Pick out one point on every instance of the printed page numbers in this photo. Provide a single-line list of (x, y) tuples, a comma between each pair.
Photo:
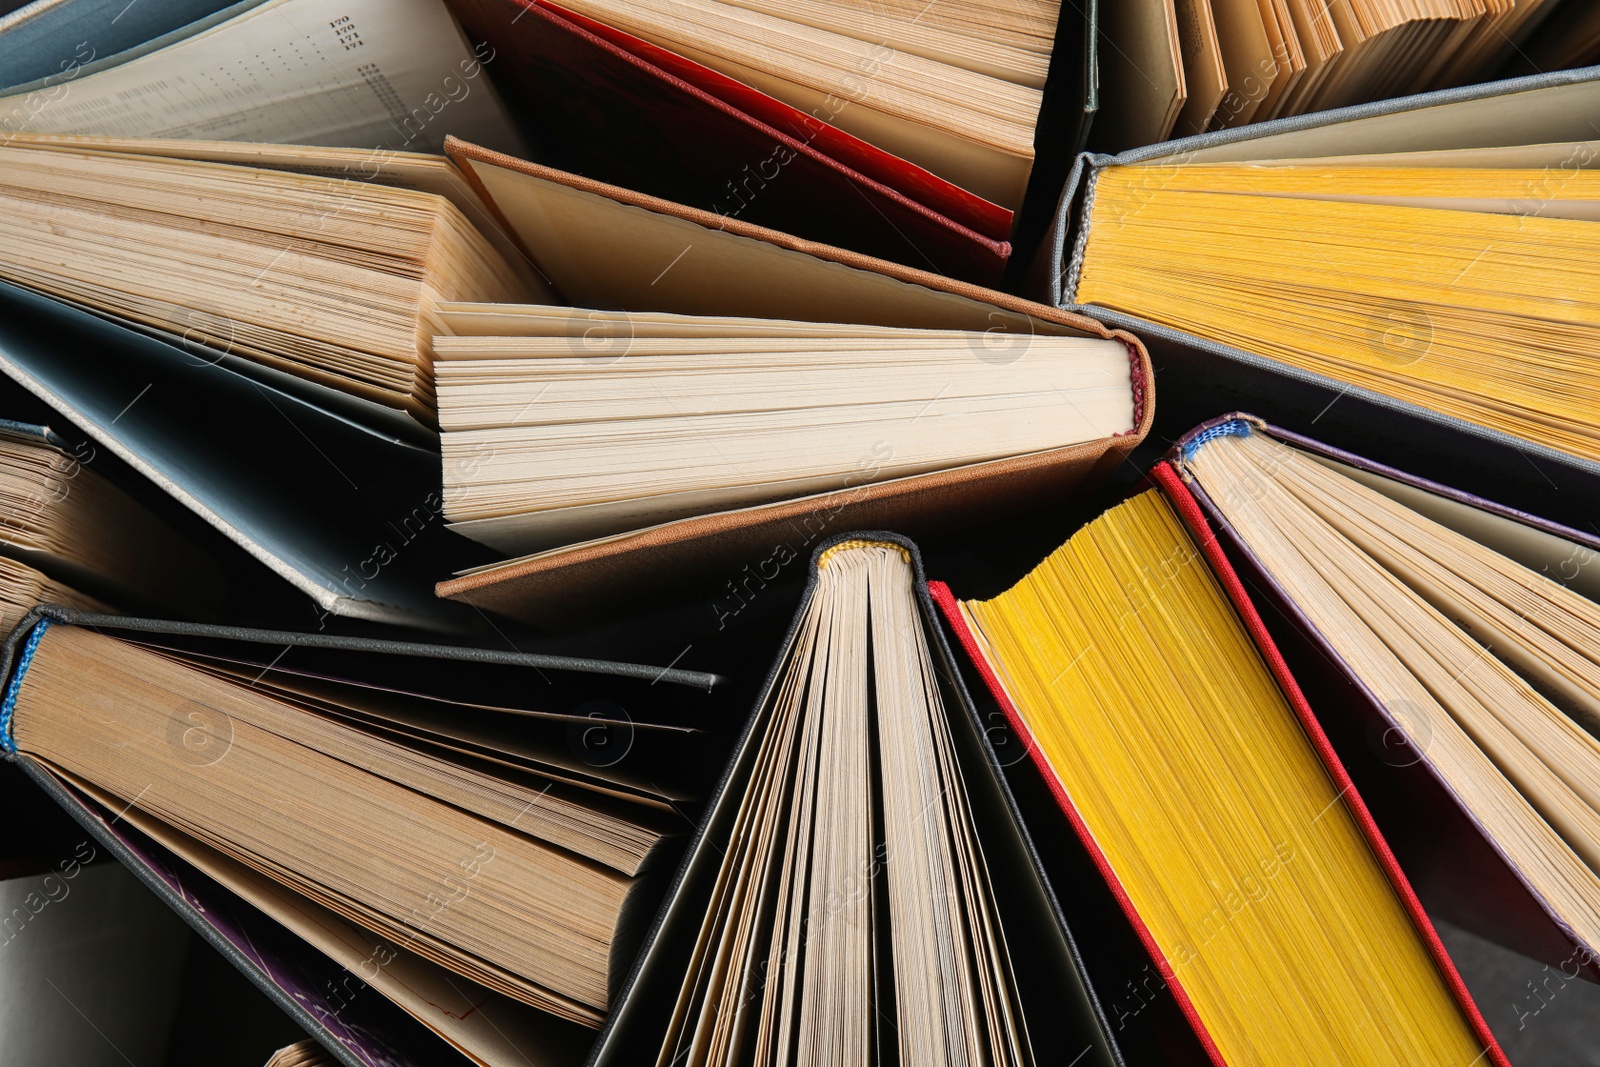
[(345, 31)]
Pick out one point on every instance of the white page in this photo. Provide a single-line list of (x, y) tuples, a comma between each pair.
[(391, 74)]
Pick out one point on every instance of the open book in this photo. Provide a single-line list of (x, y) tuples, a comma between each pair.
[(901, 130), (326, 273), (1182, 67), (68, 535), (707, 387), (1468, 640), (1190, 767), (857, 775), (439, 809), (561, 425), (391, 74), (958, 93), (1459, 281), (861, 890), (320, 278)]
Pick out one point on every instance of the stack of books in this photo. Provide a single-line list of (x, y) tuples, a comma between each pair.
[(719, 533)]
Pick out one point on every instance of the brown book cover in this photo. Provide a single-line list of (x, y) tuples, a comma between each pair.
[(614, 107), (568, 585)]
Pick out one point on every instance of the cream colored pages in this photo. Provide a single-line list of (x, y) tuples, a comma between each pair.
[(814, 917), (327, 280), (493, 382), (747, 876), (422, 172), (541, 809), (1354, 563), (1546, 632), (1143, 66), (368, 848), (557, 430), (549, 440), (507, 744), (1544, 553), (443, 730), (970, 128), (489, 1029), (940, 904), (472, 527), (360, 73), (1205, 80), (997, 42)]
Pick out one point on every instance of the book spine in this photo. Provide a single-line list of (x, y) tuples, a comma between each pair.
[(9, 707), (1073, 268), (1188, 509), (1235, 426), (951, 609)]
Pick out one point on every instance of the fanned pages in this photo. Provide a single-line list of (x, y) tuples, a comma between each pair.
[(681, 128), (68, 535), (487, 1028), (1467, 290), (585, 424), (421, 172), (852, 918), (325, 279), (712, 383), (957, 94), (1485, 667), (1280, 58), (22, 589), (1241, 855), (305, 1053), (523, 883)]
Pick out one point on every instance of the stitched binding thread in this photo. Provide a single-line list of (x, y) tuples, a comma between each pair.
[(845, 546), (1136, 376), (10, 705), (1231, 428), (1069, 286)]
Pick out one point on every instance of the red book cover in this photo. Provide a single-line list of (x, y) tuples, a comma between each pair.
[(1188, 509), (922, 186), (598, 102)]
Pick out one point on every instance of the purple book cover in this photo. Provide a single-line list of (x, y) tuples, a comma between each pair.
[(350, 1018), (1457, 869)]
